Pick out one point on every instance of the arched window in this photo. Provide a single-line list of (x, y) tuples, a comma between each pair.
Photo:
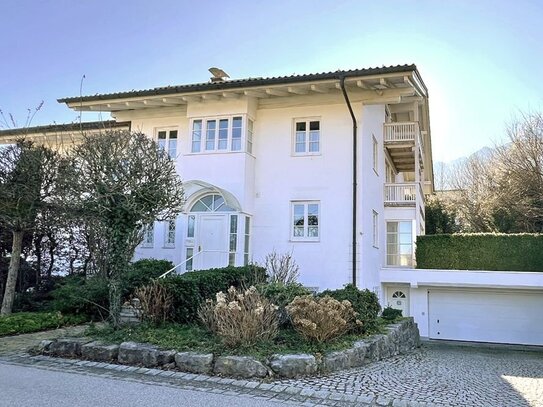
[(398, 294), (211, 203)]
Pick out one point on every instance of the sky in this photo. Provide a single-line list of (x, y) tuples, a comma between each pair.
[(482, 61)]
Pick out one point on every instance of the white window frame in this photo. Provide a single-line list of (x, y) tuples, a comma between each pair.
[(307, 121), (169, 232), (375, 229), (305, 237), (166, 147), (203, 146), (375, 154), (398, 258), (148, 236), (247, 240)]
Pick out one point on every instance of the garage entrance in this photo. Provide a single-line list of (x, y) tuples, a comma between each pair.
[(497, 316)]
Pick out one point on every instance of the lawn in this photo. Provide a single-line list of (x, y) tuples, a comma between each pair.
[(196, 338)]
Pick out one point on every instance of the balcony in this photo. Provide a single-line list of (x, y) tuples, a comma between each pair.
[(404, 194), (401, 141)]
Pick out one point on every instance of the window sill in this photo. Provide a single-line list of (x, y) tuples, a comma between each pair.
[(217, 152), (292, 240), (306, 154), (168, 247), (147, 247)]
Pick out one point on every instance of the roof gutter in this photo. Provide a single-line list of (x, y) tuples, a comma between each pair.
[(355, 188)]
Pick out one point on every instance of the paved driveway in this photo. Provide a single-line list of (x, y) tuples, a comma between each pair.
[(445, 374), (437, 374)]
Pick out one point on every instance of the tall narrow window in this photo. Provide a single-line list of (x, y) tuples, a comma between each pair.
[(375, 229), (196, 136), (247, 236), (148, 235), (307, 137), (375, 154), (223, 134), (233, 244), (188, 258), (169, 230), (250, 125), (190, 225), (236, 133), (167, 141), (211, 129), (305, 220), (172, 144), (400, 243)]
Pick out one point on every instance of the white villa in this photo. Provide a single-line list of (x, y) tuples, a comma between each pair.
[(331, 167)]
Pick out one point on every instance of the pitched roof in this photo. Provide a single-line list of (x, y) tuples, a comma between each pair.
[(242, 83), (52, 128)]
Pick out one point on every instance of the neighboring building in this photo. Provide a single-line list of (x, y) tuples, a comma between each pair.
[(269, 164)]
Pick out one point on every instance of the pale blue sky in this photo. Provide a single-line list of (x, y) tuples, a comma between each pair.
[(481, 60)]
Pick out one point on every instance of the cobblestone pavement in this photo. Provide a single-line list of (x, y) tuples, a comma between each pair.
[(444, 374), (435, 375)]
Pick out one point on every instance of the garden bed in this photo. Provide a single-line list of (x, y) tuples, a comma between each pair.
[(193, 351)]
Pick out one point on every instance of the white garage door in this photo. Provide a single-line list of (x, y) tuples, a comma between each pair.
[(486, 316)]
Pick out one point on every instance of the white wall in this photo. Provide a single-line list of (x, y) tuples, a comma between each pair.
[(282, 177), (266, 182), (371, 196)]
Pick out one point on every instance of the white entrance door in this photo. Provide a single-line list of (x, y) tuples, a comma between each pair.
[(212, 241), (398, 299), (502, 316)]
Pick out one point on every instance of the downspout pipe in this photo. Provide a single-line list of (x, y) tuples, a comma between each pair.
[(355, 187)]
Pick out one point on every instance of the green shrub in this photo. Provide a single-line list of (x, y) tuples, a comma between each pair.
[(82, 296), (90, 296), (365, 303), (25, 322), (390, 314), (481, 251), (282, 295), (191, 289), (142, 272)]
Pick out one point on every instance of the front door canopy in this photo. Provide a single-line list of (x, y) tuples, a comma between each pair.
[(198, 188)]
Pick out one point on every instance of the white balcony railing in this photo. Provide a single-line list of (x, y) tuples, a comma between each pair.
[(401, 193), (402, 131)]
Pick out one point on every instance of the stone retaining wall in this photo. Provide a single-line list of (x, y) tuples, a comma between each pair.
[(400, 338)]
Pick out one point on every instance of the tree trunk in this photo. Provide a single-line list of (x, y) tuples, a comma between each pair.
[(13, 271), (115, 301)]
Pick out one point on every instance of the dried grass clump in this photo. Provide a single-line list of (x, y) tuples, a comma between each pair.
[(322, 319), (156, 302), (240, 317)]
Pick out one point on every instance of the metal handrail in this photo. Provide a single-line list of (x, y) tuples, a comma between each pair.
[(190, 258), (180, 264)]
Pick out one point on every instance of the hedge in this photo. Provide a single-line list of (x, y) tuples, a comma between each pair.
[(481, 251), (191, 289)]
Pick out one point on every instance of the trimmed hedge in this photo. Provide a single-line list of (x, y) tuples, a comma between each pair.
[(481, 251), (191, 289)]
